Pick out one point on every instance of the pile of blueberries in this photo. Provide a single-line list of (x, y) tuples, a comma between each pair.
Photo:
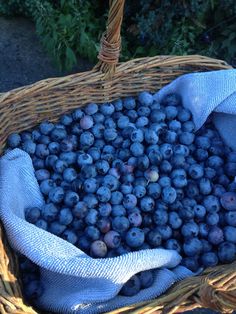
[(133, 175)]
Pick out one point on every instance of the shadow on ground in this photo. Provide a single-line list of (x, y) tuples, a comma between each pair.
[(22, 58)]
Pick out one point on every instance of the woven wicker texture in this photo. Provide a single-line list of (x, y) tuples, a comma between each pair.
[(25, 107)]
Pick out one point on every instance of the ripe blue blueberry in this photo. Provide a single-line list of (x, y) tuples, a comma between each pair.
[(86, 139), (46, 127), (173, 244), (147, 204), (227, 252), (69, 174), (215, 235), (146, 279), (49, 212), (103, 194), (56, 195), (42, 224), (116, 198), (32, 214), (65, 216), (58, 134), (184, 115), (192, 247), (230, 218), (168, 195), (190, 229), (98, 249), (135, 219), (29, 147), (166, 150), (131, 287), (212, 219), (135, 237), (191, 263), (165, 232), (84, 159), (120, 223), (228, 200), (196, 171), (141, 122), (42, 174), (80, 210), (112, 239), (129, 201), (174, 220), (154, 238), (230, 234), (211, 203), (200, 211), (71, 198), (91, 109)]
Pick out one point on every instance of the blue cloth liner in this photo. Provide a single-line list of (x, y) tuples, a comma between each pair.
[(73, 282)]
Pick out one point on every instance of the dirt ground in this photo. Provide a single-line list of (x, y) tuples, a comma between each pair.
[(22, 58)]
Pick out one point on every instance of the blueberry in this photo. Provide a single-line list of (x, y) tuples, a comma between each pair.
[(49, 212), (134, 237), (129, 201), (186, 138), (230, 218), (90, 185), (70, 236), (188, 126), (192, 190), (201, 154), (154, 190), (154, 238), (211, 203), (145, 99), (91, 217), (230, 234), (112, 239), (147, 204), (143, 162), (151, 137), (56, 195), (191, 263), (104, 224), (152, 174), (164, 181), (59, 166), (230, 169), (160, 217), (102, 166), (42, 174), (157, 116), (206, 246), (168, 195), (228, 200), (184, 115), (116, 198), (120, 223), (174, 125), (223, 180), (174, 220), (210, 173), (126, 188), (203, 230), (166, 150), (171, 100), (143, 111), (57, 178), (92, 233), (32, 214), (65, 216), (196, 171), (54, 147), (87, 139), (190, 229), (192, 247), (41, 151), (104, 194), (84, 243), (131, 287), (215, 162), (42, 224), (50, 161), (77, 114), (227, 252), (146, 279), (29, 147), (136, 149), (165, 232), (212, 219), (165, 166), (71, 198), (98, 249), (139, 191), (58, 134), (215, 235), (171, 112), (200, 211), (118, 210), (186, 213), (84, 159), (205, 186), (80, 210), (35, 135), (107, 109), (68, 157), (110, 182), (129, 103), (69, 174), (135, 219), (173, 244), (141, 122)]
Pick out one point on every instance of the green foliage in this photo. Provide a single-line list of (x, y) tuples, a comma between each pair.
[(72, 28)]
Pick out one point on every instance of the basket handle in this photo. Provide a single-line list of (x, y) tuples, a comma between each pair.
[(111, 39)]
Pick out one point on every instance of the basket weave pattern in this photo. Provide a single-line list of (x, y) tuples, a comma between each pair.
[(25, 107)]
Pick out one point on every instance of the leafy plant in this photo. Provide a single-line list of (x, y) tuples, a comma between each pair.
[(72, 28)]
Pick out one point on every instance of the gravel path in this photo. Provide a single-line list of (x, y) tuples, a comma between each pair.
[(23, 59)]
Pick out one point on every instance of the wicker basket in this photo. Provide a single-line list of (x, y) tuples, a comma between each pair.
[(25, 107)]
